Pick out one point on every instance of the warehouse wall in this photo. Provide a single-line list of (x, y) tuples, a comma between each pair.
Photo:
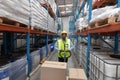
[(66, 23)]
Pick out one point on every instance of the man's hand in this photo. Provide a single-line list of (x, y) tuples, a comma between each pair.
[(61, 50), (68, 51), (65, 51)]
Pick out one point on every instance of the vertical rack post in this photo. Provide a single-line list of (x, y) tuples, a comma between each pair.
[(73, 9), (35, 39), (47, 34), (77, 47), (88, 55), (90, 10), (28, 44), (89, 40), (15, 41), (32, 40), (5, 43), (118, 5), (46, 45), (83, 11), (116, 49), (78, 10), (28, 54)]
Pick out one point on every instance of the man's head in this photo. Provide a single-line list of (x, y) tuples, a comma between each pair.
[(64, 35)]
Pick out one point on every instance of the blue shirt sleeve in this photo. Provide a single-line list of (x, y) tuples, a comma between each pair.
[(71, 46), (56, 46)]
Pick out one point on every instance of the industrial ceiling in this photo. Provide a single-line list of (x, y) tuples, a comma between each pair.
[(65, 7)]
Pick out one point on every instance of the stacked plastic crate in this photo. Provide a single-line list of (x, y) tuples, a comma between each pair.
[(84, 55), (104, 67)]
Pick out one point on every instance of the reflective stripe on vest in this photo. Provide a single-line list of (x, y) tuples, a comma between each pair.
[(64, 46)]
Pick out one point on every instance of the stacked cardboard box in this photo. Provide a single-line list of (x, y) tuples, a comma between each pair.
[(77, 74), (53, 71)]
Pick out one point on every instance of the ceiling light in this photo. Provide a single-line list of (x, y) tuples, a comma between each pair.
[(67, 5)]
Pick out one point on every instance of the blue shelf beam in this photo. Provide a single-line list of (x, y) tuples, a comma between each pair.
[(80, 9), (106, 42)]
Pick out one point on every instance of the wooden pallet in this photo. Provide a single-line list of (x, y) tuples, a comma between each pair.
[(42, 30), (84, 29), (104, 22), (112, 20), (6, 21), (88, 27), (78, 31)]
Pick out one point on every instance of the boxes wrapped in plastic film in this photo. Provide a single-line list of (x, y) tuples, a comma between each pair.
[(20, 11), (101, 66), (98, 15), (35, 56), (4, 72), (17, 10), (18, 69)]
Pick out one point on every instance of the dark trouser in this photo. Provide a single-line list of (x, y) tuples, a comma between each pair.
[(62, 59)]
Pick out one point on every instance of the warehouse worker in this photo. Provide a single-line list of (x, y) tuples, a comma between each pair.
[(64, 47)]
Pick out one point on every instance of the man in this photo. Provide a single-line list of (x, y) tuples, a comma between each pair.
[(64, 47)]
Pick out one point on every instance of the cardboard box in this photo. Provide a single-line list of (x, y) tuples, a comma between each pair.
[(66, 77), (77, 74), (51, 70)]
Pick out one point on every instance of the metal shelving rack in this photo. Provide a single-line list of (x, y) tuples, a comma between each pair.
[(108, 30), (27, 33)]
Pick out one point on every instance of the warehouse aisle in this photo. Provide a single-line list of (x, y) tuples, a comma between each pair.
[(72, 63)]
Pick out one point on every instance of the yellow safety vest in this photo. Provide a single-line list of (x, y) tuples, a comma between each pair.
[(64, 46)]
